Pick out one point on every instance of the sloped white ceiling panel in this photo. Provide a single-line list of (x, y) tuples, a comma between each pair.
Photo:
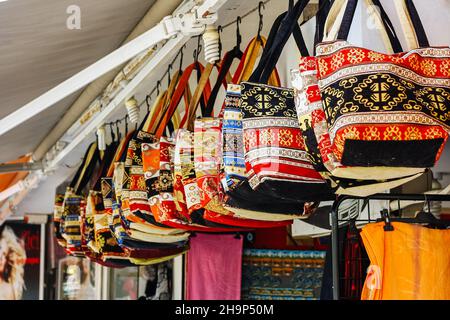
[(38, 51)]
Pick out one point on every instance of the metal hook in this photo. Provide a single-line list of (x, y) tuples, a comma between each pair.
[(113, 137), (260, 26), (147, 102), (238, 33), (118, 129), (181, 58), (158, 85), (168, 74), (219, 31), (198, 50)]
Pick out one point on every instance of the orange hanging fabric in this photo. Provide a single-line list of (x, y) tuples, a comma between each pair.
[(409, 263)]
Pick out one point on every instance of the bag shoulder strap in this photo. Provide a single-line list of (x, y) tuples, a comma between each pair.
[(347, 19), (88, 166), (77, 175), (164, 104), (121, 153), (199, 92), (341, 16), (284, 32), (248, 61), (181, 90), (224, 72), (108, 157), (412, 27)]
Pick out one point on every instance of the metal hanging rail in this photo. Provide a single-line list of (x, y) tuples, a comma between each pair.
[(380, 196), (192, 21)]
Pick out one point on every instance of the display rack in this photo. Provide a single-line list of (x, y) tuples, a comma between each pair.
[(372, 217)]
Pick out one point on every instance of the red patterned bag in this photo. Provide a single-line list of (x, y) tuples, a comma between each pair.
[(387, 114), (74, 205), (273, 142), (317, 140), (208, 162)]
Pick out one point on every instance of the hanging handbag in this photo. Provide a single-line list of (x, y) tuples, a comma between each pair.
[(74, 205), (94, 224), (94, 201), (184, 168), (137, 252), (135, 210), (240, 198), (158, 163), (273, 143), (312, 116), (104, 233), (208, 161), (157, 158), (58, 210), (382, 109), (167, 187), (233, 152)]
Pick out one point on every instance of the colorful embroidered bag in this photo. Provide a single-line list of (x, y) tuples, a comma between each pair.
[(74, 205), (208, 164), (382, 109), (273, 143)]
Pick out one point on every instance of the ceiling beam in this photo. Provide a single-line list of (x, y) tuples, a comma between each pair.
[(159, 9), (25, 166)]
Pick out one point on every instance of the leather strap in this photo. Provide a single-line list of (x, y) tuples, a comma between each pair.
[(199, 92), (77, 175), (104, 166), (90, 161), (321, 16), (298, 37), (347, 19), (120, 153), (183, 89), (256, 74), (335, 16), (417, 24), (155, 112), (166, 102), (284, 32), (341, 16), (251, 54), (389, 27), (411, 25), (224, 73)]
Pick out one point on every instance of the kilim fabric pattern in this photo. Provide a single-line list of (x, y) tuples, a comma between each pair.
[(58, 210), (104, 227), (94, 207), (282, 274), (185, 172), (208, 163), (274, 145), (376, 104), (135, 206), (70, 225), (233, 142)]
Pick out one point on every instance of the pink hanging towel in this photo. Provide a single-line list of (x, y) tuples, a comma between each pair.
[(214, 267)]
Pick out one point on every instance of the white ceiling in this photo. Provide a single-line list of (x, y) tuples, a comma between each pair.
[(38, 51)]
